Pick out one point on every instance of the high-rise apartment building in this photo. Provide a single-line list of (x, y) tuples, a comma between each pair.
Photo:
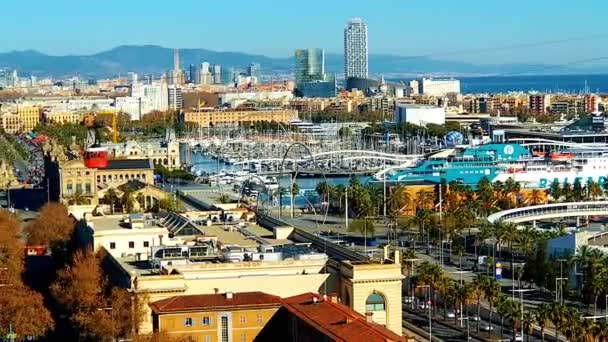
[(175, 98), (355, 49), (311, 79), (255, 70)]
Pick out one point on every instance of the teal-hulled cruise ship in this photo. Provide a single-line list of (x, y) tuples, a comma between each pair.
[(464, 165)]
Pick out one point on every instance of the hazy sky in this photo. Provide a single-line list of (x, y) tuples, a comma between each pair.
[(277, 27)]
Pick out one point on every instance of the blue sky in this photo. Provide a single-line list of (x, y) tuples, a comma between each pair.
[(277, 27)]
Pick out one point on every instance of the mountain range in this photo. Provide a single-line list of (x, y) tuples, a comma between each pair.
[(151, 59)]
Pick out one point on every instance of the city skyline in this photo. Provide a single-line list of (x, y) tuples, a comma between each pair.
[(458, 31)]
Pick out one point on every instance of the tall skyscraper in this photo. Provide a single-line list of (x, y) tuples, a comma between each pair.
[(355, 49), (310, 64), (311, 79), (176, 60), (177, 75)]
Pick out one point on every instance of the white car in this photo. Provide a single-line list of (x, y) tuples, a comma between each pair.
[(474, 318), (408, 300), (518, 338), (487, 327), (451, 314)]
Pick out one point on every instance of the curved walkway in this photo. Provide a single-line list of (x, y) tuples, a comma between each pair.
[(549, 211)]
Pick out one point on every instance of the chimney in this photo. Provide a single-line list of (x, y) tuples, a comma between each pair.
[(229, 295), (397, 257), (369, 316), (333, 297)]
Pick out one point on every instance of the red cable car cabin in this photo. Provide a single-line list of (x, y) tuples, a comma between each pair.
[(96, 157)]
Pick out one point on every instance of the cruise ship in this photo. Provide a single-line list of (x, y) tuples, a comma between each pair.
[(499, 162)]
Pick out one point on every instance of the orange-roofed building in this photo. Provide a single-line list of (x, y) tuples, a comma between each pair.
[(237, 317), (257, 316), (312, 317)]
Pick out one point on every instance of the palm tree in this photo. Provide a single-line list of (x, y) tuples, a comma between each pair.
[(536, 197), (399, 199), (542, 314), (424, 200), (512, 189), (527, 239), (492, 293), (464, 294), (580, 259), (528, 324), (478, 288), (78, 198), (429, 274), (510, 235), (446, 288), (557, 315), (508, 309)]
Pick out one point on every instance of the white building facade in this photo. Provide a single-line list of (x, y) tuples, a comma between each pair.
[(439, 87), (420, 115), (355, 49)]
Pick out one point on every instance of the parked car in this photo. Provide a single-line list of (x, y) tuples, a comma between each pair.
[(487, 327)]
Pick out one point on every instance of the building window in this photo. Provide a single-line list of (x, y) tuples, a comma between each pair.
[(260, 318), (112, 245), (131, 244), (243, 319), (206, 338), (224, 327), (206, 321), (146, 244), (188, 322), (87, 188), (243, 337), (375, 302)]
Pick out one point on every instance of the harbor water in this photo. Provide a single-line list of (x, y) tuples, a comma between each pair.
[(307, 185)]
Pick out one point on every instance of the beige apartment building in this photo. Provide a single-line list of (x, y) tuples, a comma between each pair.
[(61, 117), (20, 119), (237, 117)]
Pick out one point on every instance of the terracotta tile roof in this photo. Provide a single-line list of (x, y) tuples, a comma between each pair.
[(336, 320), (215, 302)]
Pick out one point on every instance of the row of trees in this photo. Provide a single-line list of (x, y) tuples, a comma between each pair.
[(566, 321)]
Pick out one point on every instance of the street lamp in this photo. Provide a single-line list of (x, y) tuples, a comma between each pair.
[(559, 298), (521, 306), (468, 328), (461, 273), (428, 303), (412, 273)]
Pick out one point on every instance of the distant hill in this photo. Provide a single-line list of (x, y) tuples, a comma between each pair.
[(151, 59)]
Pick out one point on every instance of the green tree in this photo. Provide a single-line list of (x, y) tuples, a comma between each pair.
[(556, 190), (365, 227)]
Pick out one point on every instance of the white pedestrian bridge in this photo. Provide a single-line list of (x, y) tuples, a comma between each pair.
[(551, 211)]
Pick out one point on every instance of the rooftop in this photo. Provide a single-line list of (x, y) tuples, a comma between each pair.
[(215, 302), (129, 164), (336, 320)]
